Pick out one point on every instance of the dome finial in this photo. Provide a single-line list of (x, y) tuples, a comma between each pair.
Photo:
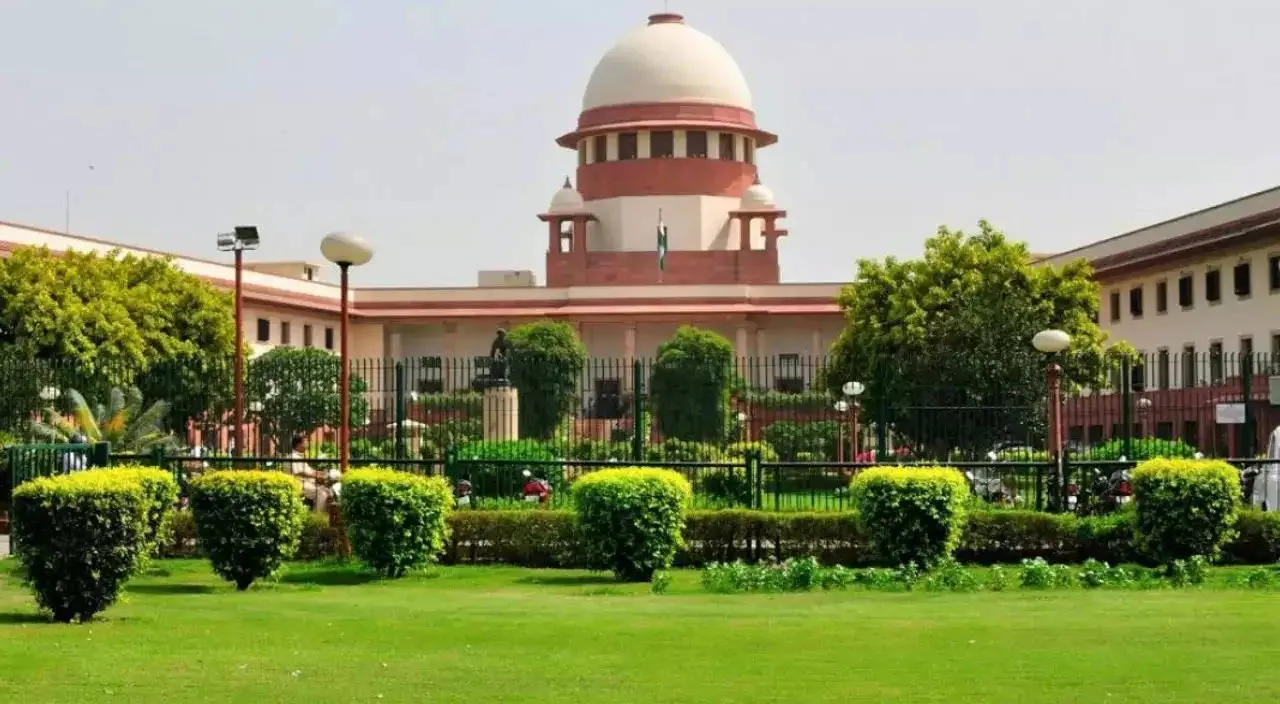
[(567, 184), (756, 182)]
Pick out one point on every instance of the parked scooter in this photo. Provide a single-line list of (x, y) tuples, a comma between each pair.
[(986, 484), (536, 490), (1111, 491)]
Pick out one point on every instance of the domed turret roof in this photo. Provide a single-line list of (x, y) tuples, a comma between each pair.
[(667, 61), (566, 200)]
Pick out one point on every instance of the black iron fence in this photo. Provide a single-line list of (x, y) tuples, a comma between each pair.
[(415, 411)]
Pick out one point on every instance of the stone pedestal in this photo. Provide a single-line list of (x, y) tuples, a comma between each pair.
[(501, 413)]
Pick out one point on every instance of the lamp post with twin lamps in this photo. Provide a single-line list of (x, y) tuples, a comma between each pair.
[(1053, 342), (345, 250), (851, 391), (244, 238)]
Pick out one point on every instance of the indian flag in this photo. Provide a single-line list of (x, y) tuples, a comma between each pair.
[(662, 243)]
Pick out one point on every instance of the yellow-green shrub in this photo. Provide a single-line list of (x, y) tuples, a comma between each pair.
[(248, 522), (160, 490), (1185, 507), (911, 514), (632, 519), (80, 536), (396, 521)]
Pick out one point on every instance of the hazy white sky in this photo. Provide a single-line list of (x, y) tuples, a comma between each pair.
[(428, 125)]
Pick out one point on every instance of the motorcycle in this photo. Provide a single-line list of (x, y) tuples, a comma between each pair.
[(1113, 491), (536, 490), (986, 484)]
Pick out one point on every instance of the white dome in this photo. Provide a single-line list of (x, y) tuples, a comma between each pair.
[(667, 62), (758, 197), (566, 200)]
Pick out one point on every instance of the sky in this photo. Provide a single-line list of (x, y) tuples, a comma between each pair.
[(427, 126)]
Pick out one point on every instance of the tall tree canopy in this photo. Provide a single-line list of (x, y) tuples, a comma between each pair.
[(547, 360), (943, 343), (105, 320), (295, 390)]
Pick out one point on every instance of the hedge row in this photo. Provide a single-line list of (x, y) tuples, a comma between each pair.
[(549, 538)]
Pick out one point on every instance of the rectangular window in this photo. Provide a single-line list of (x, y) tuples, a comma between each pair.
[(1191, 433), (264, 330), (1275, 346), (1075, 434), (1215, 363), (1162, 296), (1246, 346), (1164, 430), (582, 153), (1188, 366), (328, 338), (1213, 286), (1186, 292), (662, 145), (1095, 435), (1273, 272), (1138, 374), (628, 148), (695, 144), (1242, 280), (1162, 369), (601, 149), (284, 332), (727, 151), (1135, 302), (306, 336), (748, 151), (1115, 306)]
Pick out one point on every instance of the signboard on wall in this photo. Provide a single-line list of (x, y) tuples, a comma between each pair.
[(1229, 413)]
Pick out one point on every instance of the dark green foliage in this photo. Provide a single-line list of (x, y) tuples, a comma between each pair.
[(632, 519), (1142, 449), (912, 515), (692, 376), (396, 521), (298, 390), (248, 522), (80, 537), (527, 538), (495, 468), (547, 358), (790, 438), (1185, 507)]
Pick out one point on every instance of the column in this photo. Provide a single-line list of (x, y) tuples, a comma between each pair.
[(770, 232), (744, 232), (740, 341), (553, 236), (629, 357), (815, 345)]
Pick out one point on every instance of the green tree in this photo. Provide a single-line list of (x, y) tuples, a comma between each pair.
[(547, 359), (98, 321), (295, 390), (943, 343), (692, 376)]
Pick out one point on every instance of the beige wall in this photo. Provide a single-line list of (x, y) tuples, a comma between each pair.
[(1256, 316)]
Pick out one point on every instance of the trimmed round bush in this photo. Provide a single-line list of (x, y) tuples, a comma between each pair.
[(911, 515), (396, 521), (79, 537), (160, 490), (1184, 507), (248, 522), (632, 519)]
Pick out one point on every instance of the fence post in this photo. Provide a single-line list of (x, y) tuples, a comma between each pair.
[(1126, 408), (100, 454), (1246, 395), (400, 410), (638, 426), (157, 457), (882, 422), (450, 459), (751, 465)]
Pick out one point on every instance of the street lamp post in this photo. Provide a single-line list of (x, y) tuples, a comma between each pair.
[(245, 237), (1052, 342), (852, 390), (345, 250)]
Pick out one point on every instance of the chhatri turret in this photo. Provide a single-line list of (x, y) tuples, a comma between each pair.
[(667, 134)]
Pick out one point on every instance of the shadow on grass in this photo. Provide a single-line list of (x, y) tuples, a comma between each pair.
[(335, 576), (170, 589), (570, 580), (14, 618)]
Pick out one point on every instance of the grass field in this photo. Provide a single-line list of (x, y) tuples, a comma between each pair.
[(331, 634)]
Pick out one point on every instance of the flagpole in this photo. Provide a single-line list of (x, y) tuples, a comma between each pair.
[(661, 245)]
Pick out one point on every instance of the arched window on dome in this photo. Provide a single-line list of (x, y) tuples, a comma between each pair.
[(601, 148), (566, 236), (695, 144), (662, 144), (628, 146), (727, 143)]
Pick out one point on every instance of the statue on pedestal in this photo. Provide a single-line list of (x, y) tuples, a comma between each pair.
[(499, 356)]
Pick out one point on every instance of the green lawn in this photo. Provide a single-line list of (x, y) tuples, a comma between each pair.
[(470, 634)]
